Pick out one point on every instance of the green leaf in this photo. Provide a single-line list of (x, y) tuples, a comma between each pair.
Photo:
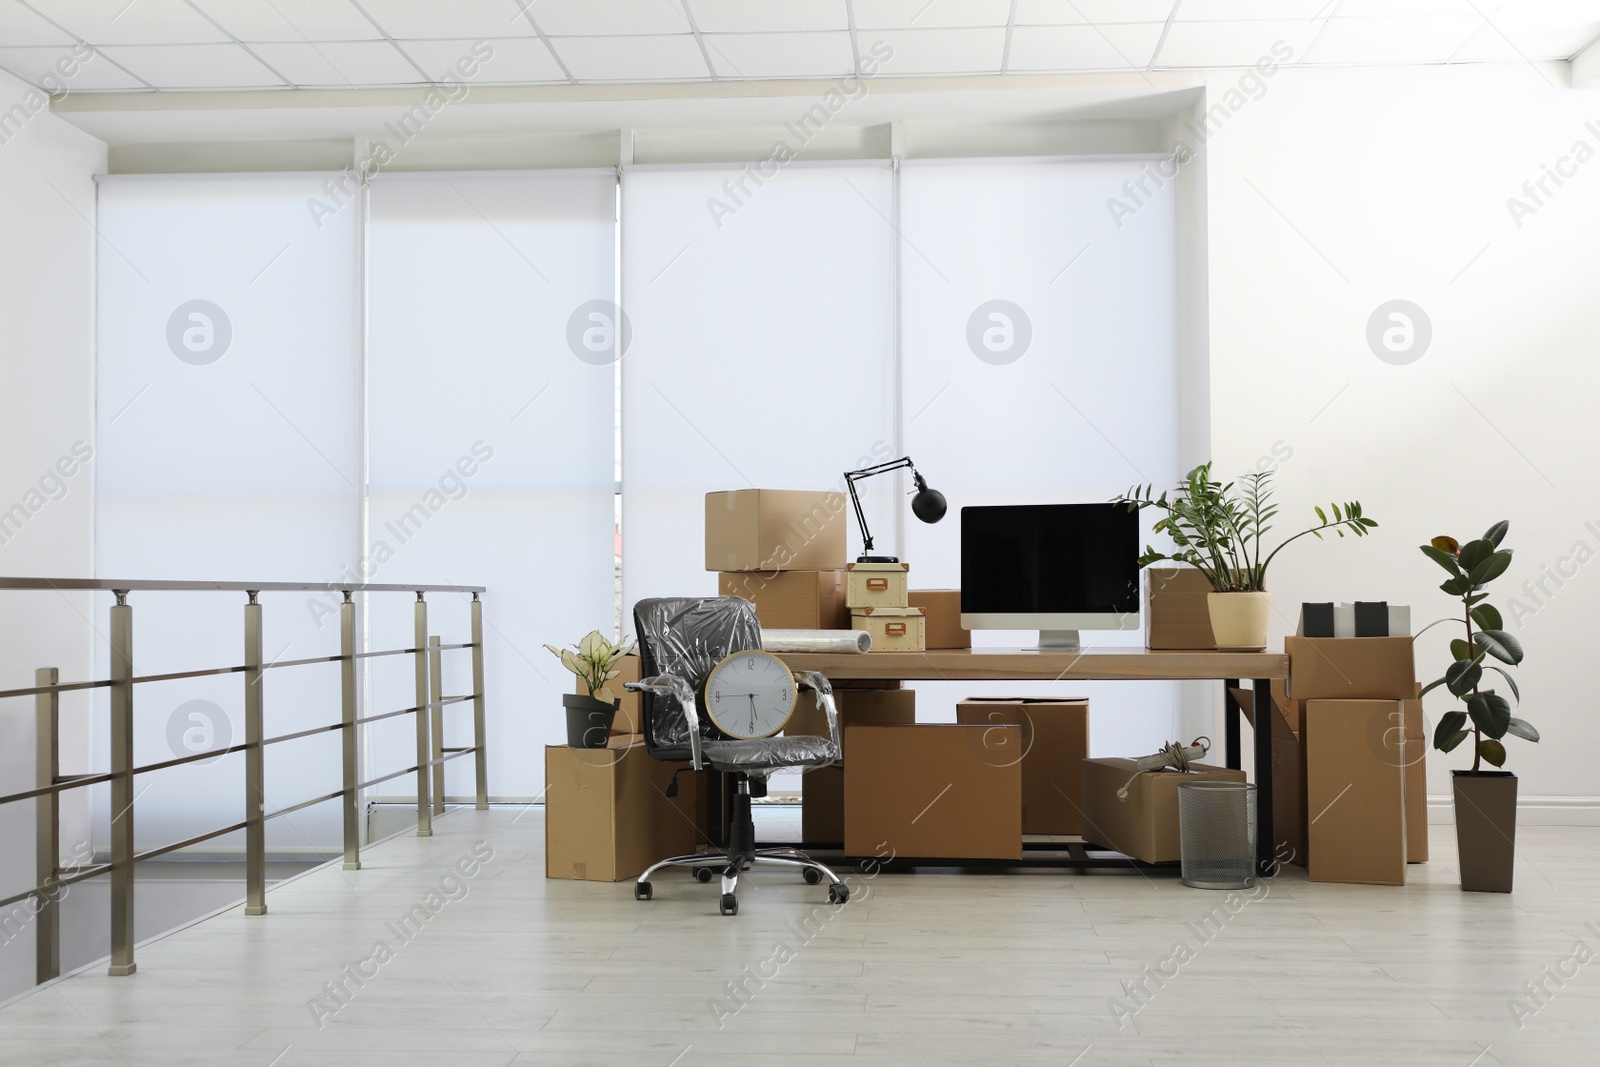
[(1491, 568), (1487, 616), (1446, 544), (1462, 677), (1451, 724), (1499, 644), (1459, 649), (1457, 586), (1490, 712), (1496, 532), (1474, 553), (1443, 559), (1475, 599), (1522, 728), (1512, 682), (1430, 687), (1492, 752), (1321, 515), (1453, 740)]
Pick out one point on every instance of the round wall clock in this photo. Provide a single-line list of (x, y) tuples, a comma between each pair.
[(750, 694)]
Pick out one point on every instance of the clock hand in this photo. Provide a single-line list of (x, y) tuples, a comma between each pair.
[(752, 713)]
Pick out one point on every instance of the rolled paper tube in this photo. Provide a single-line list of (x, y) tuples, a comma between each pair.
[(820, 641)]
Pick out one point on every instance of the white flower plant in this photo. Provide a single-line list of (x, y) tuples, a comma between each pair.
[(594, 660)]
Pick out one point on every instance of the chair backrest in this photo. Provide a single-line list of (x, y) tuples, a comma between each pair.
[(686, 637)]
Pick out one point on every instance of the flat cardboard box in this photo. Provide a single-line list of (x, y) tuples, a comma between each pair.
[(1055, 742), (822, 791), (941, 612), (791, 600), (1176, 609), (607, 815), (630, 716), (775, 530), (1145, 826), (1355, 792), (1351, 668), (928, 791)]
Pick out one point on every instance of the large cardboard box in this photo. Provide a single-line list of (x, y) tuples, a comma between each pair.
[(1055, 742), (1176, 609), (791, 600), (1355, 792), (630, 716), (1145, 826), (775, 530), (941, 613), (929, 791), (1414, 754), (1351, 668), (607, 816), (822, 791)]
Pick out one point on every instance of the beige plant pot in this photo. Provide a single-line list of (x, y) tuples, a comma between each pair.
[(1239, 620)]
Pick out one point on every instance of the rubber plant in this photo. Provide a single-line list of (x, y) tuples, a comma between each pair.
[(1472, 566)]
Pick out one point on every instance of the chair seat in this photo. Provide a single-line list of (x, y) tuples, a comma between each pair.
[(769, 752)]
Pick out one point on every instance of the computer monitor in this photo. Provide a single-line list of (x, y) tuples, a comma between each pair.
[(1055, 568)]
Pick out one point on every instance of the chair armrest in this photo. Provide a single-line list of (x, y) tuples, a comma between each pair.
[(674, 686), (818, 682)]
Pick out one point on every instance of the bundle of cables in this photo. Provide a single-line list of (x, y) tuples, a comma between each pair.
[(1171, 755)]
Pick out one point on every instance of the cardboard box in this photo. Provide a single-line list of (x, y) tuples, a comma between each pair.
[(1355, 793), (892, 629), (1351, 668), (927, 791), (1055, 742), (1145, 826), (822, 791), (1414, 755), (1177, 612), (607, 816), (941, 613), (791, 600), (876, 585), (775, 530), (630, 715)]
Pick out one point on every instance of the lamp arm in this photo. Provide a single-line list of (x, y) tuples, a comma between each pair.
[(850, 479)]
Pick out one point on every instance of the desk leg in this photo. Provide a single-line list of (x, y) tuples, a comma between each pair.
[(1266, 840), (1230, 725)]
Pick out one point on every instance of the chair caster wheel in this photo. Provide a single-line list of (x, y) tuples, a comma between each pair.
[(729, 905), (702, 874), (838, 893), (812, 875), (641, 891)]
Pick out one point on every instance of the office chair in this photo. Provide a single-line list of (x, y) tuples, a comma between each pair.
[(680, 640)]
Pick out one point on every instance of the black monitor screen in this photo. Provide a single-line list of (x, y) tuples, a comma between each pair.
[(1050, 558)]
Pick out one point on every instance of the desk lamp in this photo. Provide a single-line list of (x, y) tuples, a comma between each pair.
[(927, 505)]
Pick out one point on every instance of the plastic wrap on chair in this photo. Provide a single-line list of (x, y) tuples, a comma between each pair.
[(769, 753), (685, 637)]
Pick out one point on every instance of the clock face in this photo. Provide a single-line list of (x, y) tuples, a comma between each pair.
[(750, 694)]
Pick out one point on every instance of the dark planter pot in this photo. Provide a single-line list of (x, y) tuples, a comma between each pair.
[(588, 720), (1486, 829)]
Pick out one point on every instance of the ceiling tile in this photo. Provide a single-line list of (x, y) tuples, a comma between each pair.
[(938, 51), (628, 59), (1234, 44), (623, 17), (1078, 12), (194, 66), (1509, 42), (457, 18), (339, 63), (929, 14), (33, 64), (20, 27), (1398, 8), (291, 20), (743, 16), (1390, 40), (136, 22), (513, 60), (1115, 47), (780, 55), (1242, 10)]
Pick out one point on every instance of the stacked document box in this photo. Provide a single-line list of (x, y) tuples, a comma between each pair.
[(878, 595)]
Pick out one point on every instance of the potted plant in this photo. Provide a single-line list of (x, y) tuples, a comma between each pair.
[(1218, 529), (1486, 801), (593, 660)]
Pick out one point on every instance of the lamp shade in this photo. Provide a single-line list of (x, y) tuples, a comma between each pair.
[(928, 505)]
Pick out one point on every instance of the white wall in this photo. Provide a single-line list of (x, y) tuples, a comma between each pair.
[(1337, 191), (46, 405)]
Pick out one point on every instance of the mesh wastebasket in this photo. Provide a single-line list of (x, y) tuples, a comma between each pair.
[(1217, 834)]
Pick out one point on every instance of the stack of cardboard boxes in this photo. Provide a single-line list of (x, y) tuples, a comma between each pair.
[(783, 550)]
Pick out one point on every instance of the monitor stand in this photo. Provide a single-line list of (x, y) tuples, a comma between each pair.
[(1057, 641)]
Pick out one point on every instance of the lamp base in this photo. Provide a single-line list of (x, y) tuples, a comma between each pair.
[(877, 559)]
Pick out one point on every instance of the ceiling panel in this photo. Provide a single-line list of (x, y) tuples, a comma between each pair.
[(586, 17), (1059, 13), (1234, 44), (194, 66), (1390, 40), (457, 18), (291, 20), (338, 63), (930, 14), (20, 27), (1112, 47), (938, 51), (138, 22), (514, 60), (626, 59), (1399, 8), (1241, 10), (1508, 42), (96, 72), (743, 16), (780, 55)]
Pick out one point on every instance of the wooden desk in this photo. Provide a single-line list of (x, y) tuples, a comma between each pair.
[(1091, 664)]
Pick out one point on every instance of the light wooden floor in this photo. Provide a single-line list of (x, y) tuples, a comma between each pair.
[(916, 969)]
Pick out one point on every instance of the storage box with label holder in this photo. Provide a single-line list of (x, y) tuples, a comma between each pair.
[(1145, 826), (775, 530), (607, 817), (876, 585), (791, 600), (1055, 742), (892, 629), (941, 611)]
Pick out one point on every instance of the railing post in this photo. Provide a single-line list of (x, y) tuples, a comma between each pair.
[(47, 833), (424, 749), (436, 721), (255, 794), (350, 802), (480, 758), (122, 786)]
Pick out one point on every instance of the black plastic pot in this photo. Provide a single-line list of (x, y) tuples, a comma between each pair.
[(1486, 829), (588, 720)]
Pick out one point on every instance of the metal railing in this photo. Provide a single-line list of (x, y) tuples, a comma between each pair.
[(51, 783)]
